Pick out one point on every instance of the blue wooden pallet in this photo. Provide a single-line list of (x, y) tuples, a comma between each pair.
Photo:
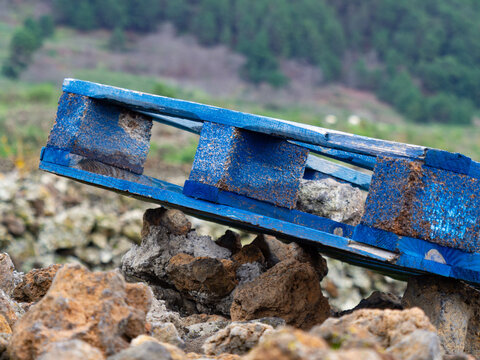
[(247, 170)]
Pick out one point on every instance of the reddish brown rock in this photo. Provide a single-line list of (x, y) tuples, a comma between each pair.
[(371, 327), (231, 241), (288, 344), (174, 220), (4, 326), (290, 290), (275, 251), (35, 284), (202, 274), (249, 254), (83, 305)]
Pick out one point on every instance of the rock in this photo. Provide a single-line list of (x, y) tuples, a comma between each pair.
[(173, 220), (369, 327), (202, 275), (159, 314), (288, 344), (72, 350), (200, 330), (458, 357), (162, 242), (331, 199), (231, 241), (453, 308), (167, 333), (4, 340), (249, 254), (4, 326), (377, 300), (248, 272), (14, 225), (275, 251), (418, 345), (147, 350), (290, 290), (9, 278), (9, 309), (94, 307), (175, 353), (35, 284), (236, 338)]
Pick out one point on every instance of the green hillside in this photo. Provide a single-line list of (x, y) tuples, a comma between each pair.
[(376, 47), (422, 57)]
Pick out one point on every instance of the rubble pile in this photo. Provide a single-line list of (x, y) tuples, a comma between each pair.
[(178, 295)]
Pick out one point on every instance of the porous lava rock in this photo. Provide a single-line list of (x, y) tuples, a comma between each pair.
[(96, 307), (35, 284), (384, 330), (290, 290), (276, 251), (202, 275), (332, 199), (71, 350), (237, 338), (9, 277)]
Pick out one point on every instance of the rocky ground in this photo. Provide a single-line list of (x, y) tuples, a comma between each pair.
[(169, 291)]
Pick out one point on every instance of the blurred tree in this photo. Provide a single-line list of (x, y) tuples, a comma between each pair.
[(117, 41)]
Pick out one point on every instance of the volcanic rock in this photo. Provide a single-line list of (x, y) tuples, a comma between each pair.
[(288, 344), (35, 284), (9, 278), (382, 329), (275, 251), (290, 290), (236, 338), (332, 199), (71, 350), (95, 307), (202, 275)]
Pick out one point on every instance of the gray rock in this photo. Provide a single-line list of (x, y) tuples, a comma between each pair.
[(167, 333), (159, 314), (274, 322), (9, 278), (418, 345), (237, 338), (332, 199), (159, 244), (145, 351), (196, 334), (249, 272), (453, 308), (72, 350)]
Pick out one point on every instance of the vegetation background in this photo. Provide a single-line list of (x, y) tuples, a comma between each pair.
[(401, 70)]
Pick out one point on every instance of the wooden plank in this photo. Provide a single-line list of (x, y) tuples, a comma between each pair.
[(340, 172), (364, 161), (282, 128)]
